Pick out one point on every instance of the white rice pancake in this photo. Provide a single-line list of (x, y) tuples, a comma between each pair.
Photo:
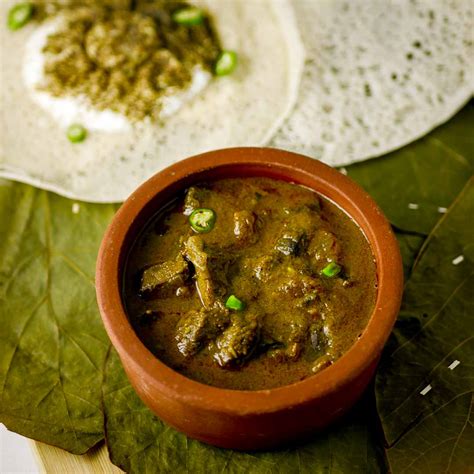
[(244, 108), (378, 74)]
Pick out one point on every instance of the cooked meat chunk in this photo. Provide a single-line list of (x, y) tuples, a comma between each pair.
[(260, 267), (290, 242), (296, 233), (183, 291), (296, 285), (190, 332), (305, 218), (319, 340), (193, 200), (194, 252), (292, 336), (173, 272), (324, 247), (210, 271), (237, 342), (298, 333), (321, 363), (196, 328), (244, 227)]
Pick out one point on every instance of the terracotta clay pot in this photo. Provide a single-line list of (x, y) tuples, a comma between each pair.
[(248, 419)]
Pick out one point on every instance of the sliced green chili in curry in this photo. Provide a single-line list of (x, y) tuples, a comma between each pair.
[(331, 270), (202, 220), (278, 289), (234, 303)]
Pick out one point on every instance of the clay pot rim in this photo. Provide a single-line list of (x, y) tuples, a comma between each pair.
[(156, 376)]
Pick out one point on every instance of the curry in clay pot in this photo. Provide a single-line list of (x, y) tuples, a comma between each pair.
[(250, 283)]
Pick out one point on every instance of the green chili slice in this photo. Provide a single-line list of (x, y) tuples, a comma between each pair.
[(76, 133), (20, 15), (202, 220), (331, 270), (189, 16), (226, 63), (234, 303)]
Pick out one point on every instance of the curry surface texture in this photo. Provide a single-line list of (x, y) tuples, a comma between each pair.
[(277, 288)]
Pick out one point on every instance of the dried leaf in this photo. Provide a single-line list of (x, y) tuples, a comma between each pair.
[(424, 383)]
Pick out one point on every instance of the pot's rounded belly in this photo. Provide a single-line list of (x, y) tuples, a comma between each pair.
[(254, 431)]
